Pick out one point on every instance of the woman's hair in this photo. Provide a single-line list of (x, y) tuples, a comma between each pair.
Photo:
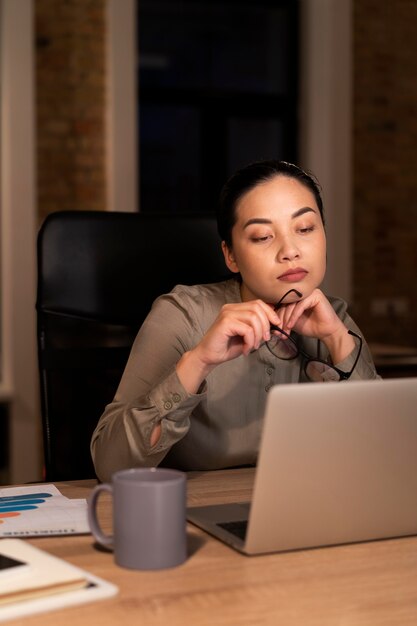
[(249, 177)]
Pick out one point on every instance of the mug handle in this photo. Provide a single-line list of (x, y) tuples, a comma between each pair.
[(105, 540)]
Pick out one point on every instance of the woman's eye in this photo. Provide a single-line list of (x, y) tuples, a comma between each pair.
[(260, 239), (307, 229)]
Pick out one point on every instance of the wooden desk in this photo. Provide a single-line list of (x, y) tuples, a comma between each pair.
[(362, 584)]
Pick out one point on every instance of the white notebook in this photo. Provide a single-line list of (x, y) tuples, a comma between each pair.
[(34, 581)]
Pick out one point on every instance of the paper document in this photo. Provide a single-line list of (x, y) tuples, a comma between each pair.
[(39, 510)]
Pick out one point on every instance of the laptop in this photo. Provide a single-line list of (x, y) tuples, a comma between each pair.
[(337, 464)]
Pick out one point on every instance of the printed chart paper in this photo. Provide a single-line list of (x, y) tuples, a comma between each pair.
[(39, 510)]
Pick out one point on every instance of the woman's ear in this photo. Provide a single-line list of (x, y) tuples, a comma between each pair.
[(229, 258)]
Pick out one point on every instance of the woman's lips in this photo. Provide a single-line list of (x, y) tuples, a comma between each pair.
[(293, 276)]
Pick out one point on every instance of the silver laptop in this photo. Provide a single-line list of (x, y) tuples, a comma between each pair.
[(337, 464)]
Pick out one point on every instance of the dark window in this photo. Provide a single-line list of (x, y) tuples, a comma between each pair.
[(217, 89)]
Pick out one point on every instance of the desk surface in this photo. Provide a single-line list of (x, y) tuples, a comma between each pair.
[(361, 584)]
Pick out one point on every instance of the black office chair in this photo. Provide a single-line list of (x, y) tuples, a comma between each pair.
[(98, 274)]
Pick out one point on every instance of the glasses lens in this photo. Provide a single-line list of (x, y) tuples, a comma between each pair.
[(282, 348), (320, 372)]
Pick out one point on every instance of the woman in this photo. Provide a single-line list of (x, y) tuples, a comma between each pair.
[(193, 392)]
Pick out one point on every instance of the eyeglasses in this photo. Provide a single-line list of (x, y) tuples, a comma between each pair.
[(315, 369)]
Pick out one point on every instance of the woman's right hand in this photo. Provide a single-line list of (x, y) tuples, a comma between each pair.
[(239, 328)]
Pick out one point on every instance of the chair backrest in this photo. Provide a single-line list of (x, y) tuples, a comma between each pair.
[(98, 274)]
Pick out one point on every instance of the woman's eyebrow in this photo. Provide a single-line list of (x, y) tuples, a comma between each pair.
[(263, 220), (257, 220), (305, 209)]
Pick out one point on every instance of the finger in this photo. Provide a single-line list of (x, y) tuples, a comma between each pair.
[(248, 336), (285, 315), (259, 315), (260, 325), (296, 313), (281, 333), (271, 318)]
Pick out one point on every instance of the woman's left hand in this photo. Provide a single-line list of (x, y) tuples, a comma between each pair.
[(314, 316)]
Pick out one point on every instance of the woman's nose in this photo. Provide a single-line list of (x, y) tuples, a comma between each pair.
[(288, 251)]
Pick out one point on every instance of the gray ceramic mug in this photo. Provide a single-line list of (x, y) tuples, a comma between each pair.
[(149, 522)]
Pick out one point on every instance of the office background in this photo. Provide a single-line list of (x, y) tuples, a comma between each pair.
[(71, 99), (81, 87)]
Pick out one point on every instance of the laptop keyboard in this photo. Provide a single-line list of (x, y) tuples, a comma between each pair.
[(235, 528)]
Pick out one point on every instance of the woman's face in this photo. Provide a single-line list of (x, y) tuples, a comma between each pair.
[(278, 241)]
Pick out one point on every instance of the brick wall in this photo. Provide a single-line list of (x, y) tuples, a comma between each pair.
[(385, 169), (71, 100)]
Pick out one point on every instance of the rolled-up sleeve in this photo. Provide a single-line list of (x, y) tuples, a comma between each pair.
[(123, 436), (364, 368), (149, 393)]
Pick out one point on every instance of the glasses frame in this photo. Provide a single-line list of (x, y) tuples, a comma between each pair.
[(308, 358)]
